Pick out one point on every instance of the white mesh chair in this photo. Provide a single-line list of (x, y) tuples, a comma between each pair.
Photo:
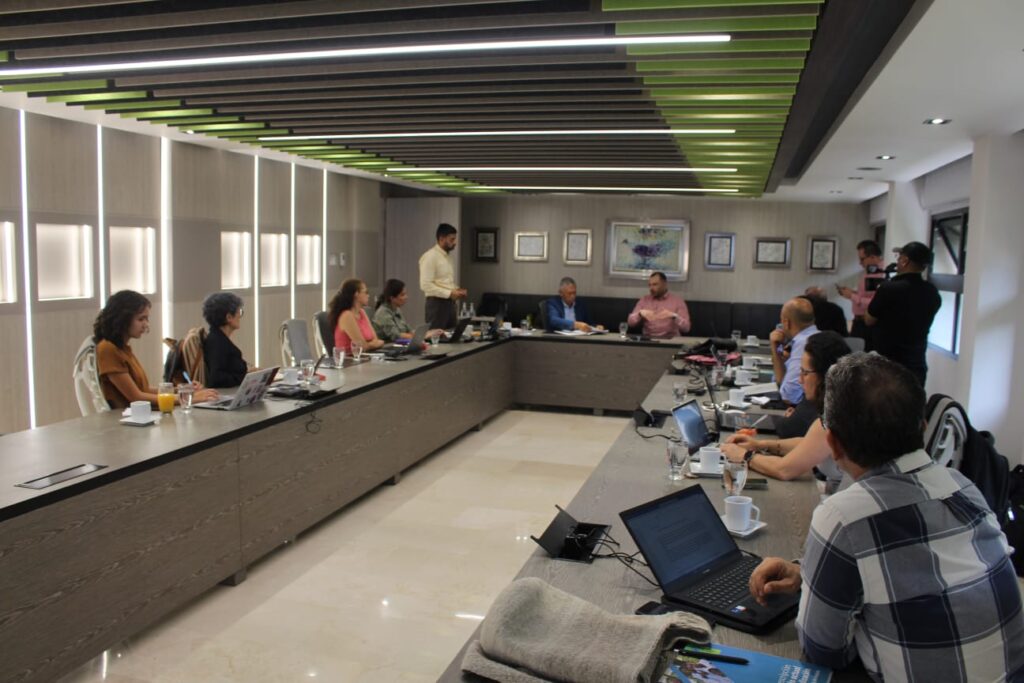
[(295, 347), (87, 380), (945, 434)]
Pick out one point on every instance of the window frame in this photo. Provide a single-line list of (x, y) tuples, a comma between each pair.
[(953, 283)]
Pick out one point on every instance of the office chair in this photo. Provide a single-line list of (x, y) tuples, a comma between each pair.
[(323, 335), (542, 315), (294, 336), (945, 433), (87, 380)]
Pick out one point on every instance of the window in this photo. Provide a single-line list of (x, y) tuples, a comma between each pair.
[(8, 284), (949, 246), (63, 261), (273, 260), (307, 259), (133, 259), (235, 260)]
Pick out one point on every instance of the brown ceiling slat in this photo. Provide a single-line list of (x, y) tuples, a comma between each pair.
[(460, 113), (18, 6), (430, 123), (427, 106)]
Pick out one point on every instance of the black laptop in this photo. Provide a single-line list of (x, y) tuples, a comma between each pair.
[(699, 566), (765, 422), (456, 334)]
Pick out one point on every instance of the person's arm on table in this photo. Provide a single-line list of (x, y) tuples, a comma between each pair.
[(799, 455), (132, 392), (349, 326)]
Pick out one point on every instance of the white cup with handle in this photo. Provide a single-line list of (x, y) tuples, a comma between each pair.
[(744, 376), (749, 362), (140, 411), (741, 513), (710, 459), (290, 375), (736, 397), (752, 340)]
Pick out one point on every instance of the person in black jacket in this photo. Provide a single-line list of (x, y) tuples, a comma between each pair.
[(827, 315), (225, 365)]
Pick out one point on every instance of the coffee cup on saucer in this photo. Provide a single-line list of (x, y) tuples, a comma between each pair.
[(140, 411), (290, 375), (741, 513), (710, 458), (736, 397), (749, 362), (752, 340), (744, 376)]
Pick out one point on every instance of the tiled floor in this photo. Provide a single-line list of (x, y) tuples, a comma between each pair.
[(390, 588)]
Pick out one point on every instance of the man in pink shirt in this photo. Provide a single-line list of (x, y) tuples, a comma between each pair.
[(664, 314), (870, 255)]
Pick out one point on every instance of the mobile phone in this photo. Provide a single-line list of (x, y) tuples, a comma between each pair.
[(653, 607), (756, 483)]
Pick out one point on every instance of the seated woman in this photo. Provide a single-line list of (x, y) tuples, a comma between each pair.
[(348, 319), (790, 458), (225, 366), (388, 320), (126, 317)]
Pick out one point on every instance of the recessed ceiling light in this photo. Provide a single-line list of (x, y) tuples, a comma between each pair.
[(605, 189), (854, 177), (885, 157), (869, 168), (936, 121), (505, 133), (563, 169), (391, 50)]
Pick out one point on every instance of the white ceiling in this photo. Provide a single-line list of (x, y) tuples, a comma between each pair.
[(963, 61)]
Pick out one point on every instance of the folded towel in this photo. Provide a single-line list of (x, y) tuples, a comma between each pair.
[(535, 632)]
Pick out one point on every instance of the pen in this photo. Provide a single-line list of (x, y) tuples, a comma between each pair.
[(184, 373), (713, 657)]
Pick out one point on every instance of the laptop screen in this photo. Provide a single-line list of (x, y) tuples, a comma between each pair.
[(692, 428), (681, 536)]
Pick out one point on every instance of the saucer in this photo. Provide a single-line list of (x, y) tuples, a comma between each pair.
[(738, 406), (696, 469), (152, 419), (750, 531)]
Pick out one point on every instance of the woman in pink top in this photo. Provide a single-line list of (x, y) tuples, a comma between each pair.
[(349, 320)]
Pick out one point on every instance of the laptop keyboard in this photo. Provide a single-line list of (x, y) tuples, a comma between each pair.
[(727, 588)]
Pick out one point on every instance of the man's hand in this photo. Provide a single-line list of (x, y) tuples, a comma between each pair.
[(581, 326), (776, 338), (744, 441), (664, 314), (845, 292), (774, 575), (647, 314), (733, 452), (458, 293)]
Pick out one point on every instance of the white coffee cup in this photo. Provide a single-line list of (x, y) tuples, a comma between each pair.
[(744, 376), (141, 410), (752, 339), (749, 362), (507, 326), (291, 375), (710, 458), (736, 397), (738, 512)]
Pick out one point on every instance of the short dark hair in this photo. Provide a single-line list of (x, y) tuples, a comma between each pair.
[(869, 247), (115, 319), (218, 306), (824, 349), (874, 408), (343, 300), (658, 274), (444, 230), (392, 288)]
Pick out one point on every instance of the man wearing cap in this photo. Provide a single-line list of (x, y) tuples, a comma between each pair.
[(903, 309)]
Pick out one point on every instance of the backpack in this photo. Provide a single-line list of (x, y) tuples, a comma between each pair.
[(1014, 527)]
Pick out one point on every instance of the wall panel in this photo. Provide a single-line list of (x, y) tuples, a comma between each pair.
[(14, 413)]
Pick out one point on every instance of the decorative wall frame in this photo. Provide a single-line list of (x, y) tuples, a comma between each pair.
[(772, 252), (531, 246), (822, 254), (485, 245), (637, 248), (577, 247), (720, 251)]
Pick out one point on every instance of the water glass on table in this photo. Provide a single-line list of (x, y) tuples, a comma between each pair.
[(307, 370), (339, 357), (678, 455), (623, 329), (165, 397), (435, 339), (737, 336), (734, 477), (185, 394), (679, 392), (357, 351)]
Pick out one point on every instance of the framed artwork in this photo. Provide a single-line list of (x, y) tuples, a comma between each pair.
[(771, 252), (636, 249), (577, 247), (531, 246), (822, 254), (485, 245), (720, 251)]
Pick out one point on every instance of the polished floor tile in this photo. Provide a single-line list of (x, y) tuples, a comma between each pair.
[(390, 588)]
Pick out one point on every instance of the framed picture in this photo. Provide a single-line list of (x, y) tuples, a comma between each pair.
[(577, 247), (771, 252), (636, 249), (531, 246), (720, 251), (822, 254), (485, 245)]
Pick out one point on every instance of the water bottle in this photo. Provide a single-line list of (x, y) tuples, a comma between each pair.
[(472, 311), (462, 309)]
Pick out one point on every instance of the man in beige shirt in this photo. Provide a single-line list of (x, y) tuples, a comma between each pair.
[(437, 280)]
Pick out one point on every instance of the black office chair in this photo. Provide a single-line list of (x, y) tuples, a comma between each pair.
[(542, 315), (323, 335)]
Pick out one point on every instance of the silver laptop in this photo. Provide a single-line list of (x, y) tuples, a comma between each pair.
[(251, 390)]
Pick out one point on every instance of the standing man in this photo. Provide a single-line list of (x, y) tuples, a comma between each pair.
[(907, 568), (437, 280), (565, 311), (664, 314), (870, 255), (787, 345), (903, 310)]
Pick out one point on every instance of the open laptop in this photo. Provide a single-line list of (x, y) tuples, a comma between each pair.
[(490, 333), (692, 427), (727, 420), (251, 390), (414, 346), (698, 565), (456, 334)]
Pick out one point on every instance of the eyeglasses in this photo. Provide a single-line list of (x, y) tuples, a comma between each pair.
[(804, 373)]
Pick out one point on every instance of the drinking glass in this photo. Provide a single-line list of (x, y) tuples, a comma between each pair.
[(734, 477), (679, 392), (357, 351), (623, 328), (435, 339), (678, 454), (307, 370), (339, 357), (185, 393), (737, 335), (524, 325), (165, 397)]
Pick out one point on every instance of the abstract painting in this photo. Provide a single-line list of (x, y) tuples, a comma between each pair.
[(635, 249)]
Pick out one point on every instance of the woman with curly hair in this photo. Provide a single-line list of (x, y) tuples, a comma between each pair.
[(225, 366), (348, 319), (126, 317)]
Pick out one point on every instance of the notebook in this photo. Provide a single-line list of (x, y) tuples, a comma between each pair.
[(697, 563), (251, 390)]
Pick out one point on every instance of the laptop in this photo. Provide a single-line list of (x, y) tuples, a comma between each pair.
[(251, 390), (491, 332), (727, 420), (414, 346), (699, 566), (692, 427), (456, 334)]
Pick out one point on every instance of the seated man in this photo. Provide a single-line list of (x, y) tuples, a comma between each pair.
[(827, 315), (664, 314), (907, 567), (787, 346), (565, 311)]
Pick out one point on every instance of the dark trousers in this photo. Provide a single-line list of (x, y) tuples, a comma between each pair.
[(440, 313), (862, 330)]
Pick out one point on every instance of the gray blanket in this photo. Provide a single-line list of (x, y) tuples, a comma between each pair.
[(534, 632)]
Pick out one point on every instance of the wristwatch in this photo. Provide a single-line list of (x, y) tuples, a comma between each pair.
[(748, 456)]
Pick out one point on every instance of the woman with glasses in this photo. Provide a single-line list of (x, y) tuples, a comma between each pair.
[(790, 458), (225, 366)]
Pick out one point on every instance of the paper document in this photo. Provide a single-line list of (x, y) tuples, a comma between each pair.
[(755, 389), (579, 333)]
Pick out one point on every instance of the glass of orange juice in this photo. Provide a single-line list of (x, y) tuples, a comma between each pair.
[(165, 397)]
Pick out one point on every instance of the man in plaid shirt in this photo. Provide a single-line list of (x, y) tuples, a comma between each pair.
[(906, 568)]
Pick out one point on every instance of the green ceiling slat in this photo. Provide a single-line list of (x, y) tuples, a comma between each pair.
[(99, 97), (4, 56), (792, 22), (671, 108), (766, 99), (112, 107), (95, 84), (761, 45), (166, 113), (788, 90), (724, 64), (618, 5), (702, 79)]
